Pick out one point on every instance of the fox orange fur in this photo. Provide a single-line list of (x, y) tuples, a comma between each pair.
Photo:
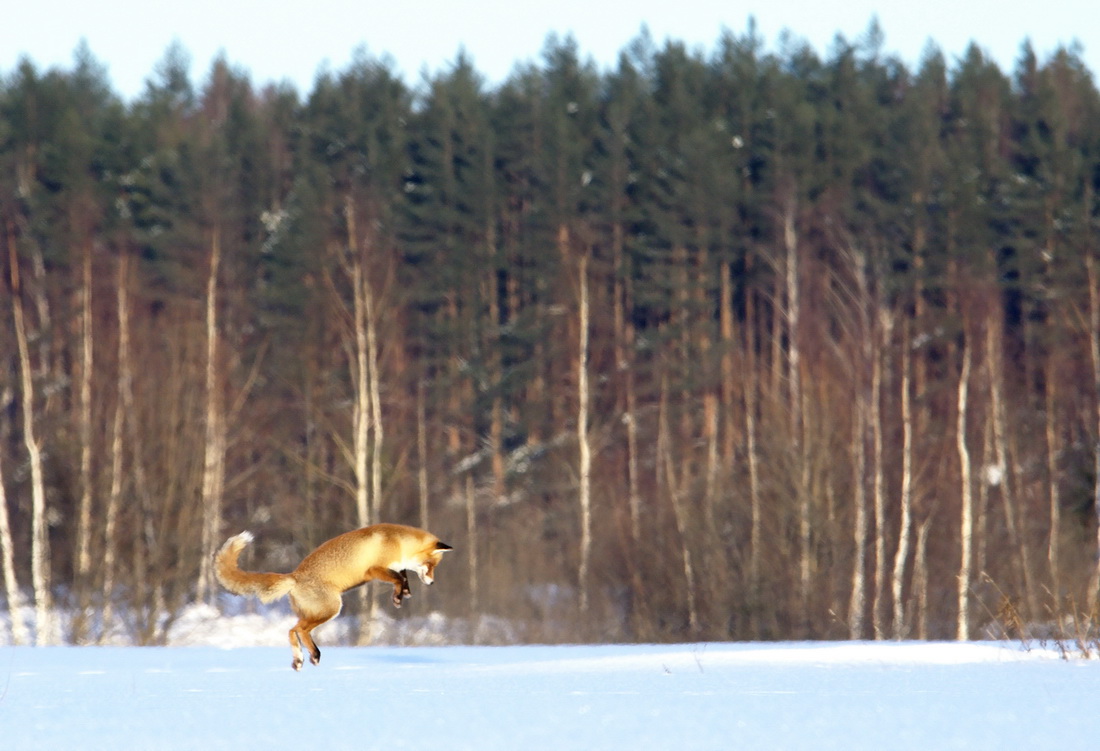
[(381, 551)]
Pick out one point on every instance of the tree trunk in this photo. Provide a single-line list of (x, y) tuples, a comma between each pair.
[(858, 603), (866, 413), (11, 585), (626, 363), (752, 395), (40, 542), (906, 499), (360, 371), (148, 590), (422, 454), (1094, 351), (879, 363), (966, 529), (114, 498), (375, 390), (584, 457), (214, 443), (84, 513), (471, 541), (1053, 546), (495, 366), (664, 456), (920, 578), (634, 496), (366, 408), (1006, 476), (797, 416), (709, 388)]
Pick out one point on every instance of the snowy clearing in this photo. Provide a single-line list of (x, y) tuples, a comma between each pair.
[(694, 696)]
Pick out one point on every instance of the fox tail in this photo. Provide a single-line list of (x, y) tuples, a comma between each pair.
[(267, 587)]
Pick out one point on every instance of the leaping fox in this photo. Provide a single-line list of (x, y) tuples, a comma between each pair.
[(381, 551)]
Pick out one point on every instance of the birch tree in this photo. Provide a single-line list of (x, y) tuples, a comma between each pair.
[(905, 500), (366, 402), (214, 442), (794, 386), (1054, 554), (584, 455), (966, 526), (40, 543), (865, 414), (879, 364), (84, 512), (7, 557), (118, 420)]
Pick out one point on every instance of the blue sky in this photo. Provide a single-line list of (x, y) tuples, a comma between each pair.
[(278, 40)]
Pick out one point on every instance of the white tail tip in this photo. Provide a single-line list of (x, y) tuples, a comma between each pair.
[(245, 537)]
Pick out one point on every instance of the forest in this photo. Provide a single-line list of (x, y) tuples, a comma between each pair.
[(725, 344)]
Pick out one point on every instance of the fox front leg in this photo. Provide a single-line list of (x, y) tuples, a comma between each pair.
[(399, 580), (401, 589)]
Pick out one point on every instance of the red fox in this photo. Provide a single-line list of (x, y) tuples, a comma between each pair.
[(381, 551)]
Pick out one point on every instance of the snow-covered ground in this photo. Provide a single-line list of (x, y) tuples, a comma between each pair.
[(680, 697)]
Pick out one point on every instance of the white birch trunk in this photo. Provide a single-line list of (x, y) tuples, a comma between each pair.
[(360, 373), (966, 528), (906, 500), (361, 410), (214, 439), (584, 458), (40, 542), (114, 498), (84, 521), (797, 416), (375, 390), (81, 584), (858, 603), (878, 608), (1053, 546), (920, 579), (363, 404), (11, 584)]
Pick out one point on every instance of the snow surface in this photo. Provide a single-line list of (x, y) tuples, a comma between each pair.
[(681, 697)]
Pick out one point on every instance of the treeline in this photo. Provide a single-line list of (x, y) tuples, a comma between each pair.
[(726, 344)]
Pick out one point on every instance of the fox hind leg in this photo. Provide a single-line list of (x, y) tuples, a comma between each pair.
[(301, 636), (295, 649), (310, 615)]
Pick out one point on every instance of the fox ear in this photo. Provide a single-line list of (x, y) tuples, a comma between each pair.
[(442, 547)]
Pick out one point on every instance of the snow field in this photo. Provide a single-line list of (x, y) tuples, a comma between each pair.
[(679, 697)]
